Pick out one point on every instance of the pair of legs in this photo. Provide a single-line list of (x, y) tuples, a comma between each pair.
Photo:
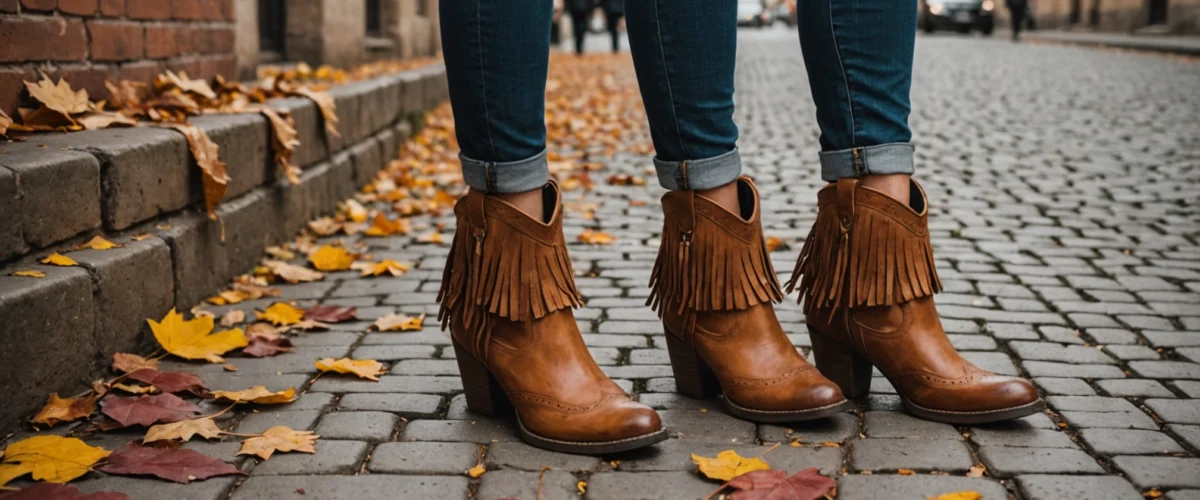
[(579, 28), (866, 272)]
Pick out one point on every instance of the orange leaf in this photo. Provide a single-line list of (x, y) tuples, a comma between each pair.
[(213, 170), (59, 259), (402, 322), (98, 243), (283, 142), (728, 465), (279, 438), (281, 314), (331, 258), (64, 410), (29, 274), (593, 237)]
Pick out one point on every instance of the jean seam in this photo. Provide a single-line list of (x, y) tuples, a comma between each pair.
[(483, 75), (845, 78), (667, 78)]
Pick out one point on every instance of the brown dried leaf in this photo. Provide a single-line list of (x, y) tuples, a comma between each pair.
[(363, 368), (279, 438), (213, 170), (331, 314), (183, 430), (233, 317), (258, 395), (593, 237), (97, 120), (261, 348), (398, 322), (173, 464), (125, 362), (65, 410), (283, 142), (60, 98), (292, 273), (328, 108)]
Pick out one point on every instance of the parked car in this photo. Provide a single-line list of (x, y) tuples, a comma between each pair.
[(960, 15), (752, 13)]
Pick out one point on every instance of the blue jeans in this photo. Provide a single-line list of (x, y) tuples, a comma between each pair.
[(858, 54)]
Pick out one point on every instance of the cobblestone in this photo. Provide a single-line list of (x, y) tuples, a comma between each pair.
[(1005, 461), (1056, 487), (424, 458)]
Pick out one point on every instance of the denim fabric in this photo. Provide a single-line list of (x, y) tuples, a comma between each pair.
[(859, 56), (497, 53)]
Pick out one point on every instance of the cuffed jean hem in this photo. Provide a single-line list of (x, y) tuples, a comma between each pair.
[(506, 177), (705, 173), (894, 158)]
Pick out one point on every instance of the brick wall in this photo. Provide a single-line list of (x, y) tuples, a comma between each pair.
[(88, 41)]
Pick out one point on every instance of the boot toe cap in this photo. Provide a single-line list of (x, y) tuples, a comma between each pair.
[(1012, 391), (635, 419)]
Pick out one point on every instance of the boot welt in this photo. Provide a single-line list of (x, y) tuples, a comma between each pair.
[(974, 417), (590, 447), (781, 416)]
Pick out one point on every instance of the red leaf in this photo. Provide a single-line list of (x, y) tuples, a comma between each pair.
[(260, 347), (173, 464), (148, 410), (331, 314), (807, 484), (170, 381), (49, 491)]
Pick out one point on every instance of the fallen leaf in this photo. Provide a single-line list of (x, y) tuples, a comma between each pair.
[(292, 273), (976, 471), (355, 210), (135, 389), (807, 484), (59, 259), (381, 226), (958, 495), (53, 459), (169, 381), (191, 339), (182, 82), (125, 362), (305, 325), (183, 430), (257, 395), (260, 347), (143, 236), (401, 322), (331, 314), (96, 120), (29, 274), (331, 258), (364, 368), (324, 226), (1150, 493), (387, 266), (98, 243), (279, 438), (213, 171), (906, 472), (327, 105), (581, 487), (48, 491), (173, 464), (64, 410), (5, 122), (229, 367), (728, 465), (476, 471), (283, 141), (233, 317), (262, 330), (281, 314), (775, 243), (432, 237), (593, 237), (60, 98), (148, 410), (623, 179)]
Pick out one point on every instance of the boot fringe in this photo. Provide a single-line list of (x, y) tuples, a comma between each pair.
[(711, 270), (876, 261)]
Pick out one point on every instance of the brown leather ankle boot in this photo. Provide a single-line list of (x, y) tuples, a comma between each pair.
[(867, 279), (507, 295), (713, 285)]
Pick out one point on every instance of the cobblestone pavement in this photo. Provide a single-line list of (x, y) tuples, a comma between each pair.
[(1064, 184)]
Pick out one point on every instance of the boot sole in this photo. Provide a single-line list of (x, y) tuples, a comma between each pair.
[(784, 416), (590, 447), (974, 417)]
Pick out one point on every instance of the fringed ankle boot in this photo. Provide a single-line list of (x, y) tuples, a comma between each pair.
[(867, 277), (714, 286), (507, 296)]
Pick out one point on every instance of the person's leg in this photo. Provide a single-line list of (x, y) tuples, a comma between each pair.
[(579, 29), (1018, 18), (859, 56), (508, 282), (613, 22), (713, 284)]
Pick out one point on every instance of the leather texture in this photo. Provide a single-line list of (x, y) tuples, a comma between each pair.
[(879, 303), (714, 287), (507, 297)]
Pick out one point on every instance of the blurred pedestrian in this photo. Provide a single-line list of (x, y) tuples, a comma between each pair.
[(1017, 10), (866, 273), (581, 15), (614, 10)]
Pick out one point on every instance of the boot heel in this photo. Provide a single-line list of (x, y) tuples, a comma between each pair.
[(483, 392), (693, 377), (842, 365)]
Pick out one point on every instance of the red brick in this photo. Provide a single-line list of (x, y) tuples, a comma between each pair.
[(220, 40), (161, 42), (79, 7), (37, 38), (140, 71), (116, 41), (148, 9), (187, 9), (10, 5), (12, 85), (225, 66), (112, 8), (227, 10), (190, 65), (89, 78), (39, 4)]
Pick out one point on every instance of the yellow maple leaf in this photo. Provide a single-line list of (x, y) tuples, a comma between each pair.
[(364, 368), (59, 259), (476, 471), (281, 313), (191, 339), (387, 266), (381, 226), (593, 237), (183, 430), (29, 274), (958, 495), (98, 243), (60, 98), (64, 410), (402, 322), (279, 438), (728, 465), (53, 459), (258, 395), (331, 258)]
